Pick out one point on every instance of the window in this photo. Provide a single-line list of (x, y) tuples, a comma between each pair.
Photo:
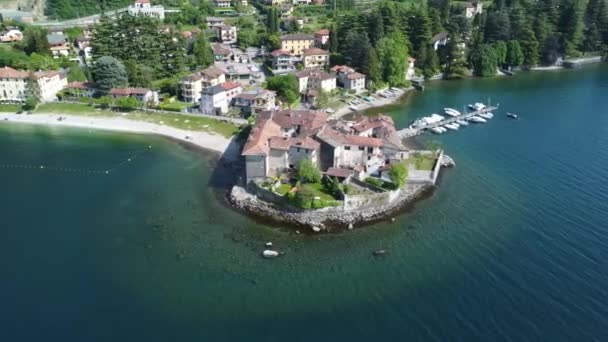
[(370, 150), (298, 149), (361, 148), (347, 148)]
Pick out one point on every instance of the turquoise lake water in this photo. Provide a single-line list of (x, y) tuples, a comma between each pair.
[(513, 245)]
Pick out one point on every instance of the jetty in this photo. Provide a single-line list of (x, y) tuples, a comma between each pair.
[(412, 132)]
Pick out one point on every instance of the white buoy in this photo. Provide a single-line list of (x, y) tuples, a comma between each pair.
[(269, 254)]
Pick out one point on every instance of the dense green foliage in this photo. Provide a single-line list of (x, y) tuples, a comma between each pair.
[(308, 172), (286, 86), (109, 73), (398, 174), (148, 52)]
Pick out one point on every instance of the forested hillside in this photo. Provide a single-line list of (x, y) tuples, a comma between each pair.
[(67, 9)]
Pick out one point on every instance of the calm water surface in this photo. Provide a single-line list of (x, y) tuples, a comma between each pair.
[(511, 247)]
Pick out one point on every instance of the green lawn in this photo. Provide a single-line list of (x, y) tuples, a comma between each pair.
[(181, 121), (319, 191), (283, 189), (10, 108), (422, 162), (176, 106)]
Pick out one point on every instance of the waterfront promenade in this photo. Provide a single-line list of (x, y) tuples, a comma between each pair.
[(412, 132)]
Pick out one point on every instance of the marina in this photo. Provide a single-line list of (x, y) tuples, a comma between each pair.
[(439, 124)]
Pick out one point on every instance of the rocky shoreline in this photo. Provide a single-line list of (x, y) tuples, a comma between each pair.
[(328, 219)]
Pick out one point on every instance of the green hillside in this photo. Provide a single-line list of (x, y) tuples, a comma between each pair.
[(67, 9)]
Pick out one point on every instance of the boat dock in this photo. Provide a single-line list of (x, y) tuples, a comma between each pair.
[(412, 132)]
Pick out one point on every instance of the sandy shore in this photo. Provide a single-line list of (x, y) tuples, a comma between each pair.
[(209, 141)]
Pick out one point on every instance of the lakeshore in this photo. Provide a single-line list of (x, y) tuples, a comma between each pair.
[(205, 140)]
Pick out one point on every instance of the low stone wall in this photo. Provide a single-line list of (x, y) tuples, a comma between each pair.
[(331, 219)]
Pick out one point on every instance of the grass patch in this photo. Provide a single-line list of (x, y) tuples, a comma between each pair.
[(422, 162), (176, 106), (319, 190), (10, 108), (181, 121), (283, 189)]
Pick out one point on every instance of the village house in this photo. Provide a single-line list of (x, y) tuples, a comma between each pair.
[(145, 95), (440, 39), (79, 89), (296, 43), (222, 3), (11, 34), (84, 47), (226, 34), (315, 58), (315, 80), (254, 102), (471, 9), (216, 100), (221, 52), (349, 78), (282, 62), (144, 8), (15, 85), (58, 44), (273, 2), (193, 84), (214, 22), (322, 38), (280, 140)]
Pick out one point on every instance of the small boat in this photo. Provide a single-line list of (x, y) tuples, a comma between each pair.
[(477, 106), (512, 116), (462, 122), (438, 130), (451, 111), (477, 119), (452, 126), (486, 115), (353, 107)]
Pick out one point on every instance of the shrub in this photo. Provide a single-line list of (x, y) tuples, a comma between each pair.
[(374, 181), (308, 172)]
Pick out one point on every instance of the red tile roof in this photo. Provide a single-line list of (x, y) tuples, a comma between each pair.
[(230, 85), (339, 172), (129, 91), (8, 72), (81, 85), (335, 138), (314, 52), (280, 52), (322, 32)]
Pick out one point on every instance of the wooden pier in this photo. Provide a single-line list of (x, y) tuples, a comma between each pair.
[(412, 132)]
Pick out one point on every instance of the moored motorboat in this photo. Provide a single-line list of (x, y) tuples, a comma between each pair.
[(477, 119), (477, 106), (486, 115), (438, 130), (512, 116), (452, 126), (451, 111), (462, 122)]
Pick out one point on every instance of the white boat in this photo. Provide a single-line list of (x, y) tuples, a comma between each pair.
[(486, 115), (427, 120), (452, 126), (438, 130), (462, 122), (477, 119), (353, 107), (477, 106), (451, 111)]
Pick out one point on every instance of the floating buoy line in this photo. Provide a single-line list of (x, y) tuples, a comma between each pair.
[(42, 167)]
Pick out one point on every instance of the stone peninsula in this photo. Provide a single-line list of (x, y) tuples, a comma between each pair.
[(301, 167)]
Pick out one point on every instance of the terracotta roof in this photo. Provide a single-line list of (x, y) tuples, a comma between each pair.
[(81, 85), (267, 132), (314, 51), (220, 49), (258, 140), (314, 74), (280, 52), (380, 120), (339, 172), (142, 1), (354, 75), (322, 32), (211, 72), (283, 144), (297, 36), (341, 68), (230, 85), (129, 91), (335, 139), (8, 72)]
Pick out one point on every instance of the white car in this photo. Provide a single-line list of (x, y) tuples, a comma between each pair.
[(253, 68)]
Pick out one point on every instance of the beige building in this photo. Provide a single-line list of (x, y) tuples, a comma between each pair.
[(349, 78), (145, 95), (315, 80), (15, 85), (193, 85), (226, 34), (296, 43), (145, 9), (315, 58), (471, 9)]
